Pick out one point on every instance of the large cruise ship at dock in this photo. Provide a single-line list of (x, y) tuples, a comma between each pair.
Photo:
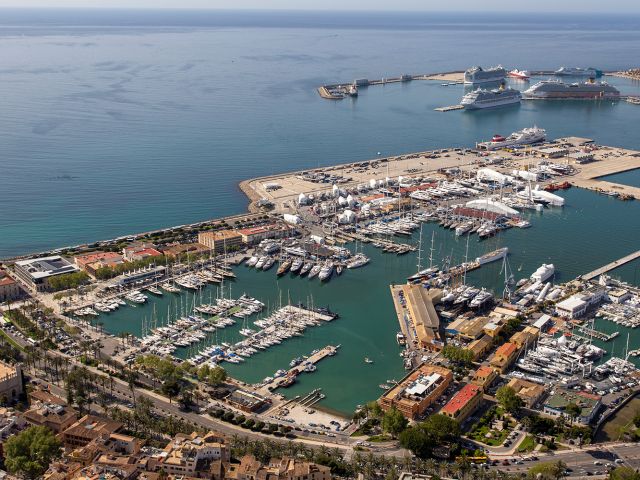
[(578, 72), (476, 75), (483, 98), (550, 89), (526, 136)]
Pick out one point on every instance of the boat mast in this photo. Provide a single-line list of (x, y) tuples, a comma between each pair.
[(431, 250), (466, 258), (420, 250)]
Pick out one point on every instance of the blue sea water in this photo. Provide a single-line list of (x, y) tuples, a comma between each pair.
[(121, 121)]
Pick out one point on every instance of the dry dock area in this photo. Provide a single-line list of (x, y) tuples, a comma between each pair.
[(283, 189)]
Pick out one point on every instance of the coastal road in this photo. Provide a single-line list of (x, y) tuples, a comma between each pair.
[(582, 461)]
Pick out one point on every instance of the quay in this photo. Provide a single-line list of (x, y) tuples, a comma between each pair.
[(285, 380), (610, 266), (450, 78)]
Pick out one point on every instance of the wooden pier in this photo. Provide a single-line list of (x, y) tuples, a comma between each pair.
[(610, 266), (328, 351)]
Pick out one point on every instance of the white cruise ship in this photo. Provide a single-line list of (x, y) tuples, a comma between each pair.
[(555, 89), (525, 136), (577, 72), (476, 75), (483, 98)]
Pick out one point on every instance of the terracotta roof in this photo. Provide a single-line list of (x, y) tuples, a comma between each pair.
[(461, 398), (507, 349)]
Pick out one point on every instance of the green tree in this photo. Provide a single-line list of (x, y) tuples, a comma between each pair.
[(31, 451), (547, 471), (573, 411), (394, 422), (217, 375), (374, 410), (441, 428), (417, 441), (508, 399), (624, 473)]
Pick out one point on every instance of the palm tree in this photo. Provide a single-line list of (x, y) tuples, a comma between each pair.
[(132, 376)]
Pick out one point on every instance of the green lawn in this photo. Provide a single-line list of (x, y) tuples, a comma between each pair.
[(11, 340), (497, 438), (527, 445)]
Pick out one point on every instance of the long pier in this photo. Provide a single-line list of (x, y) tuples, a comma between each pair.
[(327, 351), (610, 266)]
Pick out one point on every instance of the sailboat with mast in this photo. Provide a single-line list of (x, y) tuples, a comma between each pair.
[(422, 273)]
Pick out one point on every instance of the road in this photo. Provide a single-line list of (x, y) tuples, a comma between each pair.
[(581, 461)]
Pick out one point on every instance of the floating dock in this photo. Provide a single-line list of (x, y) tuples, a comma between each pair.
[(449, 108), (611, 266)]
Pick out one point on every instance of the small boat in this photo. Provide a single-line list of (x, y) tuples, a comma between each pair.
[(367, 360), (339, 269), (154, 290), (519, 74), (296, 265), (306, 268), (315, 270), (284, 267)]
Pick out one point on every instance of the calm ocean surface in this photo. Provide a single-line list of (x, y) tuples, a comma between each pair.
[(116, 122)]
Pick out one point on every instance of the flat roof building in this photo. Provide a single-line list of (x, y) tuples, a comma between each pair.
[(557, 402), (253, 235), (35, 273), (417, 391), (220, 240), (572, 307)]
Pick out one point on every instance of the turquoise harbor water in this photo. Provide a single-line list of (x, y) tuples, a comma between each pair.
[(118, 122), (123, 121), (368, 323), (631, 178)]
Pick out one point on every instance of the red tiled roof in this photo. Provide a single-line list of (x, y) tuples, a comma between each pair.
[(507, 349), (483, 370), (149, 252), (7, 281), (460, 399), (96, 256)]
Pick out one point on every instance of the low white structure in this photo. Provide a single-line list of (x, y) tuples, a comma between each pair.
[(348, 216), (491, 206), (489, 175), (526, 175), (572, 307), (292, 219)]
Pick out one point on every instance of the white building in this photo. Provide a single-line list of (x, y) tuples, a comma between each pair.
[(35, 273), (572, 307)]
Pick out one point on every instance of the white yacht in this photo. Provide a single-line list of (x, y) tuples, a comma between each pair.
[(543, 273)]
